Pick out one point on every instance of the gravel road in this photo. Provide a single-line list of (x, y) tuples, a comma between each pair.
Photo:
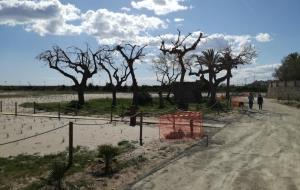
[(260, 150)]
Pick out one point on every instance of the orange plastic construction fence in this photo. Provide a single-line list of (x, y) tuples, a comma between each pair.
[(237, 101), (181, 125)]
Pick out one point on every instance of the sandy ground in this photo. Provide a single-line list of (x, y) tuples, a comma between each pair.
[(260, 150), (8, 103), (86, 133)]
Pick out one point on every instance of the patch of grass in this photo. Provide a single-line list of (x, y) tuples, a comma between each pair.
[(135, 161), (35, 185), (35, 166), (292, 103), (125, 146), (103, 107)]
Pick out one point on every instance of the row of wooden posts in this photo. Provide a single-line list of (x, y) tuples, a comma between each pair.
[(70, 160)]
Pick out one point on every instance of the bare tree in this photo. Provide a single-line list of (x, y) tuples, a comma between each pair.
[(117, 72), (230, 61), (71, 64), (131, 53), (166, 71), (179, 49)]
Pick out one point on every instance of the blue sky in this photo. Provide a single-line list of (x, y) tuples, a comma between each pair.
[(29, 27)]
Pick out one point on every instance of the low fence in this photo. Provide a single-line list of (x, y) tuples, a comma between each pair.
[(181, 125), (284, 90), (238, 101)]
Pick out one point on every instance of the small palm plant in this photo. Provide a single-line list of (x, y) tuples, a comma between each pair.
[(56, 174), (108, 153)]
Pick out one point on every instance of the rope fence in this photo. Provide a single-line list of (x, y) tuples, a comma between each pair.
[(29, 137)]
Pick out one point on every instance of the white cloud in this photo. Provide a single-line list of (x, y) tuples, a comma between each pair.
[(160, 7), (178, 19), (43, 17), (250, 73), (111, 27), (126, 9), (54, 18), (263, 37)]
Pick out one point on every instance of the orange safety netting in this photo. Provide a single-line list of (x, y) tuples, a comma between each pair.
[(237, 101), (181, 125)]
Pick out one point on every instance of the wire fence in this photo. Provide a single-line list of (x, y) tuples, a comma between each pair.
[(32, 136)]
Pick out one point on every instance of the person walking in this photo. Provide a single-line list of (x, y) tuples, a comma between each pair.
[(250, 100), (260, 101)]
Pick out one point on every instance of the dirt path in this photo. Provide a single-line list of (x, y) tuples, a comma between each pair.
[(260, 151)]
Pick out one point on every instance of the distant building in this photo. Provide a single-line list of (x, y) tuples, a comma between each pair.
[(284, 90)]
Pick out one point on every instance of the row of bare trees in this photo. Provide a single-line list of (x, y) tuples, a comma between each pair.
[(176, 59), (80, 65)]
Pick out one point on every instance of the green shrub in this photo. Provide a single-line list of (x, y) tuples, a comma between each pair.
[(144, 98), (125, 146), (74, 105), (56, 174), (108, 153)]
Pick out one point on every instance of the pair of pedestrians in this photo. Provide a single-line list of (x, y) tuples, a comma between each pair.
[(260, 100)]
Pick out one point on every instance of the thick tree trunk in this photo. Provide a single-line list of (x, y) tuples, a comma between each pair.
[(161, 100), (183, 70), (114, 97), (212, 90), (213, 93), (228, 87), (80, 89), (168, 95), (134, 86), (134, 98), (80, 92)]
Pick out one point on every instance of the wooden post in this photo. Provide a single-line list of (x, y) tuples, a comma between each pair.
[(34, 108), (0, 106), (59, 111), (192, 128), (16, 108), (133, 110), (141, 129), (70, 162), (206, 136)]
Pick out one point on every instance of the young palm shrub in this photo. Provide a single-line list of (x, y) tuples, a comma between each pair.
[(56, 174), (108, 153)]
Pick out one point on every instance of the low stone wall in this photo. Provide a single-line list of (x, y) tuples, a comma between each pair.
[(284, 90)]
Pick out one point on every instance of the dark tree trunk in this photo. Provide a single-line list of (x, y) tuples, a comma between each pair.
[(213, 93), (114, 97), (161, 100), (134, 86), (80, 92), (228, 86), (134, 98), (212, 89), (183, 70), (168, 95)]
